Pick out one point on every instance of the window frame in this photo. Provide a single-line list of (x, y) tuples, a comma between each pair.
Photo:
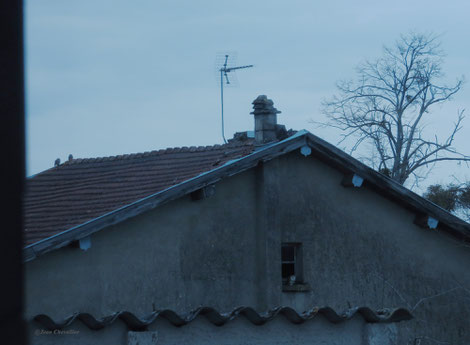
[(297, 261)]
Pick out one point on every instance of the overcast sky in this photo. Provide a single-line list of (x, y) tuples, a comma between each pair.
[(112, 77)]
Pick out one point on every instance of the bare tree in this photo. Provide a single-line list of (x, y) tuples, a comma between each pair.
[(386, 106)]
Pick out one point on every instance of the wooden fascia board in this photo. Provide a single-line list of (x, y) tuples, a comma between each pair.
[(228, 169), (387, 187), (320, 149)]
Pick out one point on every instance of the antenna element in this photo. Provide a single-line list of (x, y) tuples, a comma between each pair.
[(223, 72)]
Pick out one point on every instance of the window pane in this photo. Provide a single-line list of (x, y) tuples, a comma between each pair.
[(288, 270), (288, 253)]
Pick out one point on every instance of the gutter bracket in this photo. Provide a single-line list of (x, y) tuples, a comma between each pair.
[(426, 221), (305, 150), (84, 243), (352, 180)]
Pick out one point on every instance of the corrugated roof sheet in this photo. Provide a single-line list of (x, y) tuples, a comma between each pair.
[(82, 189), (135, 323)]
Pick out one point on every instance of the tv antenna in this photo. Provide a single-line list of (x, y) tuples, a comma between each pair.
[(224, 70)]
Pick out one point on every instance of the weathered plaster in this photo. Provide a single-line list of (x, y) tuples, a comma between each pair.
[(360, 249), (237, 332)]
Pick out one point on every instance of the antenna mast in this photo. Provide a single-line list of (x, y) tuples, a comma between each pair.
[(223, 72)]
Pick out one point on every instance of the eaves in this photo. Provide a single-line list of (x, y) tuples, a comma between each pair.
[(230, 168), (320, 149)]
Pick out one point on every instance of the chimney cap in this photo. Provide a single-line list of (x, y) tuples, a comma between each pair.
[(263, 105)]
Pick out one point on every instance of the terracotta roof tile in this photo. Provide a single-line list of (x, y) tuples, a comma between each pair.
[(134, 322), (82, 189)]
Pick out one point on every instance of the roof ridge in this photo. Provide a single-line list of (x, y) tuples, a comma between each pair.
[(180, 149)]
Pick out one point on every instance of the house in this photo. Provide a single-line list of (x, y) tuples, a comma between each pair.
[(273, 238)]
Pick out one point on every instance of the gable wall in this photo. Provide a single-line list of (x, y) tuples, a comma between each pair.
[(359, 250), (362, 249), (178, 256)]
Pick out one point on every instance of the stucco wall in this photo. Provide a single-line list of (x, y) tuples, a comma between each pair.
[(237, 332), (360, 249), (180, 256)]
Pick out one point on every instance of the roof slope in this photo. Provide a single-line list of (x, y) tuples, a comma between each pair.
[(110, 190), (83, 189)]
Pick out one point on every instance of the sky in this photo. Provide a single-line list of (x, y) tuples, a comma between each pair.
[(113, 77)]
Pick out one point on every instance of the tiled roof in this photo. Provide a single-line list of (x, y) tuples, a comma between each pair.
[(80, 190), (81, 197), (136, 323)]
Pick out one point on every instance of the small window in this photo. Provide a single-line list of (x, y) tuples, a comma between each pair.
[(291, 256)]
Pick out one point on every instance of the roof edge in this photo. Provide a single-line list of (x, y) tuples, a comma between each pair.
[(388, 187), (135, 323), (321, 149), (230, 168)]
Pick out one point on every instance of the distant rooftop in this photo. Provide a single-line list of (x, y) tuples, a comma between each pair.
[(81, 189)]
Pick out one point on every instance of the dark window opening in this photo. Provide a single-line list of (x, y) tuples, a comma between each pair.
[(291, 257)]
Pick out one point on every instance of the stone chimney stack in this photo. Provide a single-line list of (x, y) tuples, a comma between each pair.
[(266, 126)]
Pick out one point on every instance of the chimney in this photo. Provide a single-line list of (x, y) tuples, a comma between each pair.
[(266, 126)]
